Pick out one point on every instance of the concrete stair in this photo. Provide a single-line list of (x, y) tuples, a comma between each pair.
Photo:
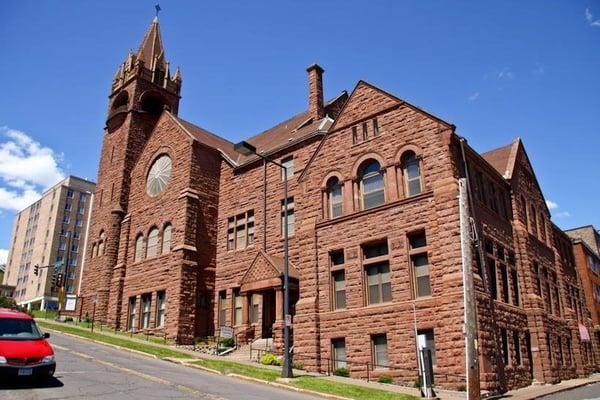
[(259, 347)]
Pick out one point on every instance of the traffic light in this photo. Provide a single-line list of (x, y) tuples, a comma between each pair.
[(36, 270), (59, 279), (53, 278)]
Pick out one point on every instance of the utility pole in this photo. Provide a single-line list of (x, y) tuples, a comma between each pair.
[(470, 323), (65, 281)]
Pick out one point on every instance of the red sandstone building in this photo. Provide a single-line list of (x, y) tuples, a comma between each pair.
[(186, 236)]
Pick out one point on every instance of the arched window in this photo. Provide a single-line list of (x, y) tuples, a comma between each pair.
[(524, 206), (411, 172), (533, 217), (101, 244), (94, 250), (542, 228), (334, 197), (166, 239), (152, 247), (139, 248), (371, 185)]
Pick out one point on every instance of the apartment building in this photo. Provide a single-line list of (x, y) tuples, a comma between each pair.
[(49, 234)]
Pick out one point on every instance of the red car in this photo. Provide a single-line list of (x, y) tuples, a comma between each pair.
[(24, 351)]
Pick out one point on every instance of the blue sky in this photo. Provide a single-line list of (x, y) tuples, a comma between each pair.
[(496, 70)]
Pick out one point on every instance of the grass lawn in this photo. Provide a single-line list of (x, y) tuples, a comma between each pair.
[(305, 382), (44, 314), (143, 347), (347, 390)]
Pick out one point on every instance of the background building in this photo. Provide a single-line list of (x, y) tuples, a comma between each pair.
[(52, 230)]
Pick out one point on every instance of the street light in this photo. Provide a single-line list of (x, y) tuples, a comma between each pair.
[(247, 149)]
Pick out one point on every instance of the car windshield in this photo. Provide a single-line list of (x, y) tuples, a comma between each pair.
[(18, 329)]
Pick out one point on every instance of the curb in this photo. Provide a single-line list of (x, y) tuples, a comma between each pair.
[(114, 346), (561, 390), (189, 364)]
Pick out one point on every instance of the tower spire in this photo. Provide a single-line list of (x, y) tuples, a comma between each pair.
[(151, 50)]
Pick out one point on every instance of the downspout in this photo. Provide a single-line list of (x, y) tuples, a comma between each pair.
[(85, 242), (264, 205), (476, 240)]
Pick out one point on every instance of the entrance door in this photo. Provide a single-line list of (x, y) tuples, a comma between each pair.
[(268, 313)]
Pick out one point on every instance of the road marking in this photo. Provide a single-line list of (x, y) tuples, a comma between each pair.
[(142, 375)]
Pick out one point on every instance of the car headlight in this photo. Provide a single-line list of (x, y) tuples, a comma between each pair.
[(48, 359), (2, 360)]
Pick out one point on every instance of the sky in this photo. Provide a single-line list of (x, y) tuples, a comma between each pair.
[(497, 70)]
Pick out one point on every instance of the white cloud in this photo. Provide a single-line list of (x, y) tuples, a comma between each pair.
[(563, 214), (505, 74), (551, 205), (26, 169), (3, 256), (589, 17), (474, 96)]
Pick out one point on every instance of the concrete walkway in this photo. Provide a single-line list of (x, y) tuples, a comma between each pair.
[(527, 393)]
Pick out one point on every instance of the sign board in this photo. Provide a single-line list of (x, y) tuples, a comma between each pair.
[(288, 320), (226, 332), (70, 303)]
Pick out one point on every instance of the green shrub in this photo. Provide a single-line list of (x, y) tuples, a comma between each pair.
[(229, 342), (297, 365), (417, 383), (270, 359), (341, 372), (385, 379), (69, 319)]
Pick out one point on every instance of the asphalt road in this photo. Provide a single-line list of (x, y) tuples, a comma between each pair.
[(589, 392), (87, 370)]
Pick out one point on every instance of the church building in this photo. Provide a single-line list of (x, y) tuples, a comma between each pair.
[(186, 236)]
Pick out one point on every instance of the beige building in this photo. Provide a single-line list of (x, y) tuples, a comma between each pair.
[(49, 233)]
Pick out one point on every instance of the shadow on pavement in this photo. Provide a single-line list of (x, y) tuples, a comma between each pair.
[(21, 384)]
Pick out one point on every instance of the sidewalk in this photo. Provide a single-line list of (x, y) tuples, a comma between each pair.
[(537, 391)]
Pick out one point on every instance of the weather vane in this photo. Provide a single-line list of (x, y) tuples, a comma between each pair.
[(157, 7)]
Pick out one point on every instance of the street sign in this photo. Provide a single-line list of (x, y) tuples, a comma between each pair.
[(226, 332)]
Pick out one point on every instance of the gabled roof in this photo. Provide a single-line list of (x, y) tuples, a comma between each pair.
[(224, 146), (291, 131), (265, 266), (503, 158)]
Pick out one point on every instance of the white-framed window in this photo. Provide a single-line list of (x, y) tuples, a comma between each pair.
[(371, 185), (411, 167), (237, 308), (132, 321), (240, 230), (334, 197), (338, 347), (288, 164), (139, 248), (161, 305), (166, 239), (290, 214), (146, 309), (380, 351), (152, 246)]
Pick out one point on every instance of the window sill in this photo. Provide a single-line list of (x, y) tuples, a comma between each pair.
[(232, 251), (384, 206)]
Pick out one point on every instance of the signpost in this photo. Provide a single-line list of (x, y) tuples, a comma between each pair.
[(70, 303), (226, 332)]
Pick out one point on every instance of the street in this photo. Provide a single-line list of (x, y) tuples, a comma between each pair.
[(589, 392), (88, 370)]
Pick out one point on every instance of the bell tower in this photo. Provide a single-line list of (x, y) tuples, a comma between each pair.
[(141, 90)]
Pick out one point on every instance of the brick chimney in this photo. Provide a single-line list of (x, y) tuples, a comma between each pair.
[(316, 108)]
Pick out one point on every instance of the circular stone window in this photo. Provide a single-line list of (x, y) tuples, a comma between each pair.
[(159, 175)]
